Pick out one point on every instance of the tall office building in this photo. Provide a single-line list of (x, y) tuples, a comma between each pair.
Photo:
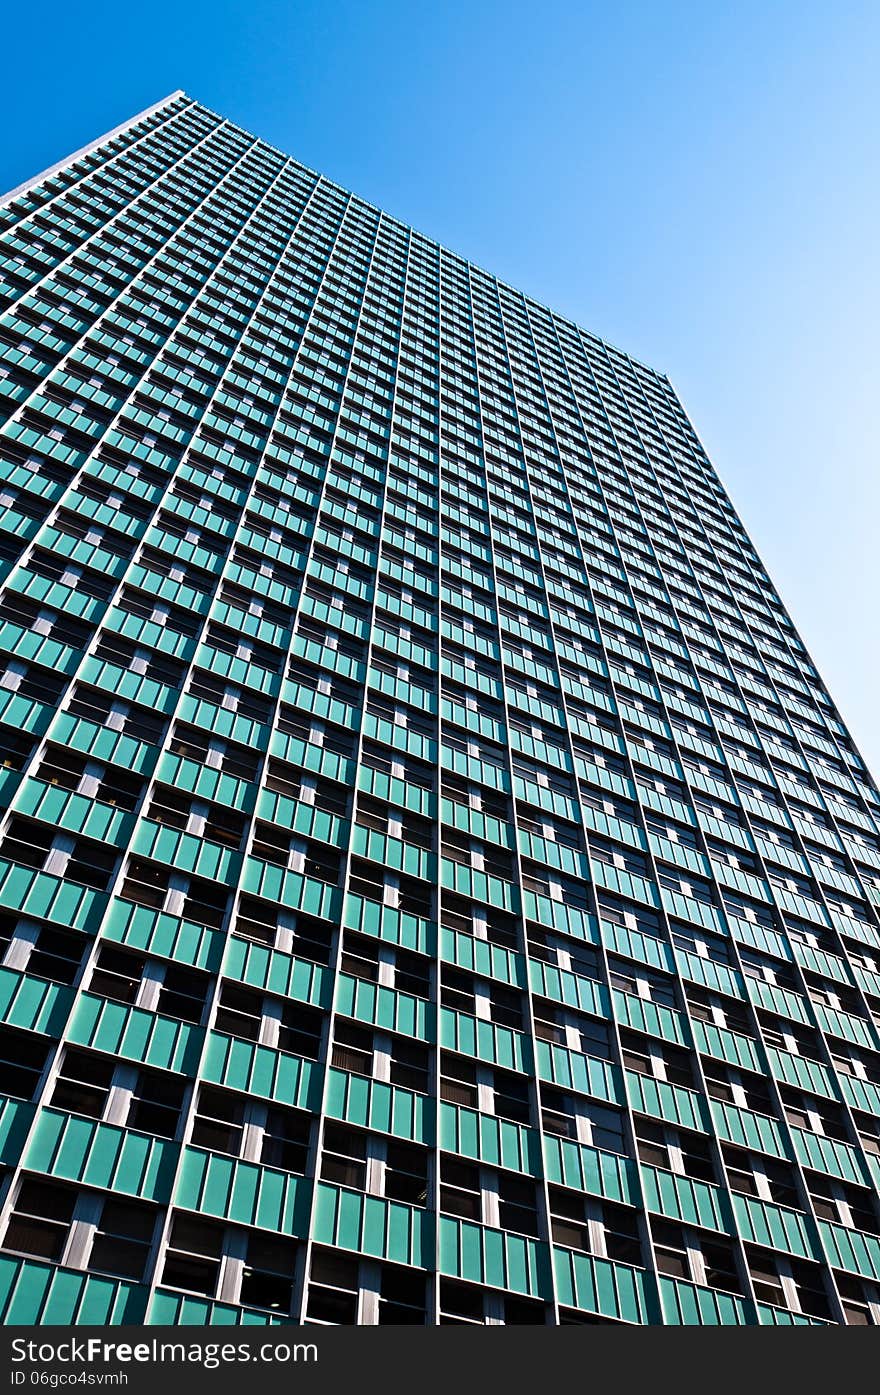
[(436, 885)]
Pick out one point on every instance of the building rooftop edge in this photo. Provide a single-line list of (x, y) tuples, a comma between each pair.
[(87, 148), (180, 92)]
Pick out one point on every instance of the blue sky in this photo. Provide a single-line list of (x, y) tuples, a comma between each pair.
[(697, 182)]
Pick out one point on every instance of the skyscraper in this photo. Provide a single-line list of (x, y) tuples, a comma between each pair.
[(436, 885)]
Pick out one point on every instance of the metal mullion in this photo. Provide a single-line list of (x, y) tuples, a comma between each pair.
[(34, 542), (785, 798), (769, 586), (132, 283), (29, 548), (431, 1274), (732, 942), (626, 1107), (436, 1072), (41, 745), (794, 962), (345, 871), (432, 1285), (714, 1139), (535, 1111), (51, 1070), (34, 287), (68, 160), (663, 916), (188, 1111), (528, 997), (315, 1148), (781, 792)]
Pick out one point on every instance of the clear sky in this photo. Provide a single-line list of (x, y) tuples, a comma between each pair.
[(695, 180)]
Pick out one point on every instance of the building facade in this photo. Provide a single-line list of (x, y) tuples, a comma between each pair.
[(435, 884)]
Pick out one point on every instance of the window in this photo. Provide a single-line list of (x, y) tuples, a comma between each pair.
[(842, 1203), (122, 1240), (460, 1193), (511, 1097), (691, 1255), (117, 973), (195, 1247), (56, 955), (333, 1288), (521, 1312), (412, 973), (651, 1144), (650, 1057), (460, 1304), (549, 1022), (719, 1265), (285, 1141), (517, 1206), (858, 1307), (352, 1048), (15, 748), (169, 807), (267, 1273), (505, 1007), (615, 1228), (62, 768), (788, 1283), (401, 1296), (239, 1011), (40, 1219), (458, 1081), (205, 903), (457, 991), (22, 1059), (670, 1250), (183, 993), (817, 1115), (594, 1038), (559, 1115), (406, 1173), (569, 1223), (360, 957), (344, 1157), (310, 938), (145, 883), (409, 1064), (26, 842), (83, 1082), (156, 1102), (219, 1120), (299, 1030)]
